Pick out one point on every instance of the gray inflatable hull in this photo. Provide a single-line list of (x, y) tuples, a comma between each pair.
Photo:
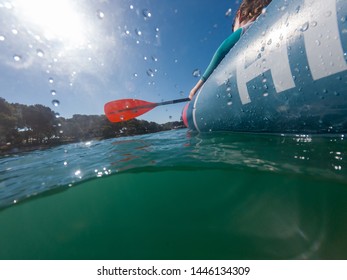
[(287, 74)]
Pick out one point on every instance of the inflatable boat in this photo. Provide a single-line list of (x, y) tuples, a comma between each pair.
[(286, 74)]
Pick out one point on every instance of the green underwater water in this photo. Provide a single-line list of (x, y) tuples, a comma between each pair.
[(175, 195)]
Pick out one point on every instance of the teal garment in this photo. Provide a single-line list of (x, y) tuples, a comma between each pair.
[(221, 52)]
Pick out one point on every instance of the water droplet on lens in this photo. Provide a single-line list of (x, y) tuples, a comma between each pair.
[(154, 58), (17, 57), (229, 103), (317, 42), (196, 73), (53, 92), (150, 73), (269, 42), (50, 80), (138, 32), (314, 23), (14, 31), (100, 14), (304, 27), (135, 74), (131, 7), (57, 115), (146, 13), (228, 12), (2, 38), (39, 53), (55, 102), (328, 13)]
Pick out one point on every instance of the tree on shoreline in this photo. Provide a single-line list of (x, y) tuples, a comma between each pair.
[(36, 125)]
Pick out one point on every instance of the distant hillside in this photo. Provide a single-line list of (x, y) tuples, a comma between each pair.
[(25, 127)]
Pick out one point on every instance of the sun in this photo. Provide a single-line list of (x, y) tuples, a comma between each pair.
[(56, 20)]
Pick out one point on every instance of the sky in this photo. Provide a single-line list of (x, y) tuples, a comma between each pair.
[(74, 56)]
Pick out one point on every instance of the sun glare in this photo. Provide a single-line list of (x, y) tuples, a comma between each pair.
[(57, 20)]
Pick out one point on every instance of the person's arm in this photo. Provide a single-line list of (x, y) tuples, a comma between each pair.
[(221, 52)]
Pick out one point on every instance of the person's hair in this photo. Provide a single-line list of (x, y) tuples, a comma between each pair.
[(251, 9)]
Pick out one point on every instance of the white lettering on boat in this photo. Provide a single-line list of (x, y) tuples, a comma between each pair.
[(322, 41), (318, 25)]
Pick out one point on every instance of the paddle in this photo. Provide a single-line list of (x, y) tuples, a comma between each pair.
[(127, 109)]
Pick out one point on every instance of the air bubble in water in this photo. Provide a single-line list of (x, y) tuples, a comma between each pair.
[(196, 73), (17, 57), (40, 53), (55, 102), (53, 92), (2, 38), (146, 13), (100, 14)]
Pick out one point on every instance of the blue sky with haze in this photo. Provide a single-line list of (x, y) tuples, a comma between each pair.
[(86, 53)]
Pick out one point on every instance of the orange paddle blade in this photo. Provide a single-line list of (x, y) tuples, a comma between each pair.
[(127, 109)]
